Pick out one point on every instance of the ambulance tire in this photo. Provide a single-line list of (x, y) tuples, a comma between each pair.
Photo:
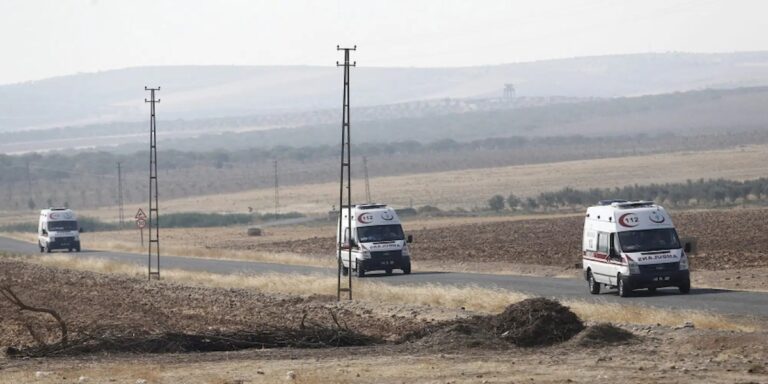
[(360, 271), (344, 271), (407, 269), (42, 249), (624, 291), (77, 249), (594, 286), (47, 248), (685, 287)]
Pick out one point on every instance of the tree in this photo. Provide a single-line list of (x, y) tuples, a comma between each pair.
[(496, 203), (513, 201)]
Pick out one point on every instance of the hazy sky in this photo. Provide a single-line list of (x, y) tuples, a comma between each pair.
[(58, 37)]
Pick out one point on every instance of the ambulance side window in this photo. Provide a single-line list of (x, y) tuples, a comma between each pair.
[(602, 242)]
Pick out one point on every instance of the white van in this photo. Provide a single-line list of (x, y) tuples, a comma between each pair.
[(58, 229), (376, 240), (632, 245)]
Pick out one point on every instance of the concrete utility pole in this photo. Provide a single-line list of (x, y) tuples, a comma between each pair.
[(367, 183), (346, 177), (277, 191), (120, 208), (154, 213)]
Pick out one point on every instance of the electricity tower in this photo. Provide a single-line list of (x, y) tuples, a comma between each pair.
[(120, 208), (154, 216), (345, 182)]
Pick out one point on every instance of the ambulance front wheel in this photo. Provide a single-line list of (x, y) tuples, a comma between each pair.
[(407, 269), (622, 286), (685, 287)]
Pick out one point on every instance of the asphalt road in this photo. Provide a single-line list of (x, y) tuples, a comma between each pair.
[(716, 300)]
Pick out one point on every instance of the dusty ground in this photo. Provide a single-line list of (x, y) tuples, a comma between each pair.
[(93, 302)]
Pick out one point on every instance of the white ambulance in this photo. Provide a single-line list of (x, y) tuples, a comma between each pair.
[(58, 229), (633, 245), (375, 239)]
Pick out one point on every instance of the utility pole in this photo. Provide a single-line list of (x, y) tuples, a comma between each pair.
[(277, 191), (367, 183), (345, 183), (154, 238), (120, 212)]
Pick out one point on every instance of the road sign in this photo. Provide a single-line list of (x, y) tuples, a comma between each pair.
[(141, 223), (140, 215)]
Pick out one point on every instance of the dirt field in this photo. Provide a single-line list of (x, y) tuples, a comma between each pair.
[(551, 246), (467, 351)]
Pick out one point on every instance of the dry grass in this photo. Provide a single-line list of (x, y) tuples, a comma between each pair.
[(468, 188), (477, 299), (111, 241)]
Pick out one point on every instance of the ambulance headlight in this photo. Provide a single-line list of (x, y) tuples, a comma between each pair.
[(365, 254), (634, 268), (683, 262), (406, 251)]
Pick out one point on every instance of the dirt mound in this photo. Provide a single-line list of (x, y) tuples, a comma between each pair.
[(604, 334), (529, 323), (538, 321)]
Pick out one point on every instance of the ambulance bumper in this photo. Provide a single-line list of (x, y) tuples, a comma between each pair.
[(657, 280)]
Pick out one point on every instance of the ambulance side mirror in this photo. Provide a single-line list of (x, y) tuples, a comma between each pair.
[(687, 248), (352, 243), (409, 239), (45, 232), (81, 230)]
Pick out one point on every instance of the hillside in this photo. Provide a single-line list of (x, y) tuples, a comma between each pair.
[(194, 92)]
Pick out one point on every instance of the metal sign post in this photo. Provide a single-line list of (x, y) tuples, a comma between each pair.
[(346, 180), (141, 222)]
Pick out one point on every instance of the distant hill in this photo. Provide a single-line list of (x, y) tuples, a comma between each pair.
[(195, 92)]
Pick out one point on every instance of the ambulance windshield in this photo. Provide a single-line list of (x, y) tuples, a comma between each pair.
[(68, 225), (649, 240), (380, 233)]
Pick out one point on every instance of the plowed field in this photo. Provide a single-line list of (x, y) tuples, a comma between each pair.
[(727, 239)]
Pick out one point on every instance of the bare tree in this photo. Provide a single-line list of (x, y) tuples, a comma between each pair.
[(11, 297)]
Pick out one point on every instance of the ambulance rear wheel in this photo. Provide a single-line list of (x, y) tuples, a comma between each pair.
[(594, 286)]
